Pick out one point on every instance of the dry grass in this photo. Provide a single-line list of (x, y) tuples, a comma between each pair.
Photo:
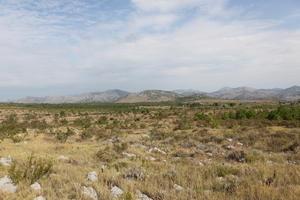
[(196, 156)]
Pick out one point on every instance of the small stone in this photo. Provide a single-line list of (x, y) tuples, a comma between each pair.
[(116, 192), (6, 161), (39, 198), (229, 139), (90, 192), (150, 158), (228, 147), (142, 196), (240, 144), (92, 176), (209, 154), (63, 158), (157, 150), (178, 187), (36, 186), (7, 185), (129, 155)]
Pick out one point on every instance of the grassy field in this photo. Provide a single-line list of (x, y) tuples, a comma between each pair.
[(165, 151)]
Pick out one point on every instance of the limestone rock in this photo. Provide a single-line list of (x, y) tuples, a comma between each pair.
[(116, 192), (6, 161), (178, 187), (36, 186), (90, 192), (142, 196), (40, 198), (92, 176), (7, 185)]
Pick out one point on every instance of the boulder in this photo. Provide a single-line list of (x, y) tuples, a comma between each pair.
[(90, 192), (92, 176), (116, 192), (6, 161), (7, 185), (142, 196), (36, 186)]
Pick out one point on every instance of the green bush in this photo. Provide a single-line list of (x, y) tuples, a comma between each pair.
[(63, 136), (31, 170)]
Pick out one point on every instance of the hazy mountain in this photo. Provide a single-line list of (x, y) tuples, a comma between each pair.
[(107, 96), (246, 93), (150, 96), (188, 92), (240, 93), (290, 94)]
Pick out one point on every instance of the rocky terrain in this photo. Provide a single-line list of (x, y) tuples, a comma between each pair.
[(207, 150)]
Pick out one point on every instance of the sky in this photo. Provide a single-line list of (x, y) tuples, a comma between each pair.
[(64, 47)]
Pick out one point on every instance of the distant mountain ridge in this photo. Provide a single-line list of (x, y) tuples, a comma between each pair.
[(121, 96), (246, 93), (150, 96), (106, 96)]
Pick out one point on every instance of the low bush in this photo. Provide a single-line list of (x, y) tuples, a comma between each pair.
[(31, 170)]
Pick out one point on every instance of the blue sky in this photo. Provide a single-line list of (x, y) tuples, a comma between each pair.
[(62, 47)]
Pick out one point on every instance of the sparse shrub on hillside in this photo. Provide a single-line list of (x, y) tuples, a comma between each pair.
[(102, 120), (10, 127), (119, 148), (107, 155), (31, 170), (62, 136), (64, 122), (62, 114), (83, 122), (156, 134), (38, 124)]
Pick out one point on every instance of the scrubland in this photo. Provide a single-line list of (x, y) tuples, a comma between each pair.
[(165, 151)]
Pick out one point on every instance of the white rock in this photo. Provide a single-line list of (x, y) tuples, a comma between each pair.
[(142, 196), (209, 154), (229, 139), (92, 176), (116, 192), (90, 192), (150, 158), (6, 161), (39, 198), (178, 187), (156, 150), (36, 186), (240, 144), (229, 147), (63, 158), (7, 185), (129, 155)]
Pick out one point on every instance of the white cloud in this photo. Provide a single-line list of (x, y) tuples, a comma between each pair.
[(146, 49), (211, 7)]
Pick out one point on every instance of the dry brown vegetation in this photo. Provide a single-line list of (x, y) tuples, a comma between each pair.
[(168, 152)]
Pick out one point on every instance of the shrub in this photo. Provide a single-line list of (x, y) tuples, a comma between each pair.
[(31, 170), (106, 155), (63, 136), (102, 120), (84, 122)]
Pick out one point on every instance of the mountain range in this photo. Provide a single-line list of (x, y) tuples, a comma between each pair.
[(120, 96)]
